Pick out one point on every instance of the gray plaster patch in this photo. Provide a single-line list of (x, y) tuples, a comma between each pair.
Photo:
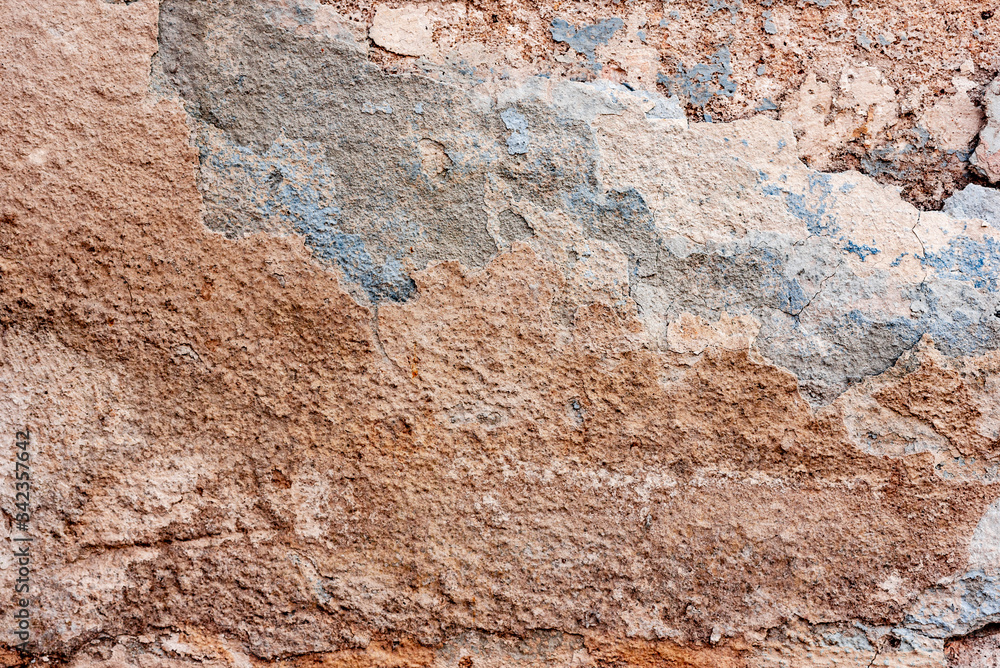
[(975, 201), (512, 226), (803, 293), (519, 140), (514, 120), (369, 108), (372, 202), (665, 108), (288, 145), (984, 548), (958, 607), (517, 143)]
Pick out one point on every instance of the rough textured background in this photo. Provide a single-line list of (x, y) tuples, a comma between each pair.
[(503, 333)]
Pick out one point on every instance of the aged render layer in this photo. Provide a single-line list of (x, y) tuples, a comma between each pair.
[(502, 333)]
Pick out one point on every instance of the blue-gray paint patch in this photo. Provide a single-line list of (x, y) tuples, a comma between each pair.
[(966, 259), (863, 251), (811, 206), (702, 81), (766, 105), (292, 183), (855, 641), (717, 5), (960, 318), (586, 39), (623, 217), (626, 205), (885, 161), (840, 350), (769, 26), (863, 40), (381, 282)]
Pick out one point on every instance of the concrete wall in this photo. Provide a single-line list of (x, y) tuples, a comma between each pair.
[(502, 333)]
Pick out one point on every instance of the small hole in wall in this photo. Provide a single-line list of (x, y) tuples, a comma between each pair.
[(987, 15)]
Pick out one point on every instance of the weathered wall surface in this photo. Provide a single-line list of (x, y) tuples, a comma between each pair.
[(502, 334)]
